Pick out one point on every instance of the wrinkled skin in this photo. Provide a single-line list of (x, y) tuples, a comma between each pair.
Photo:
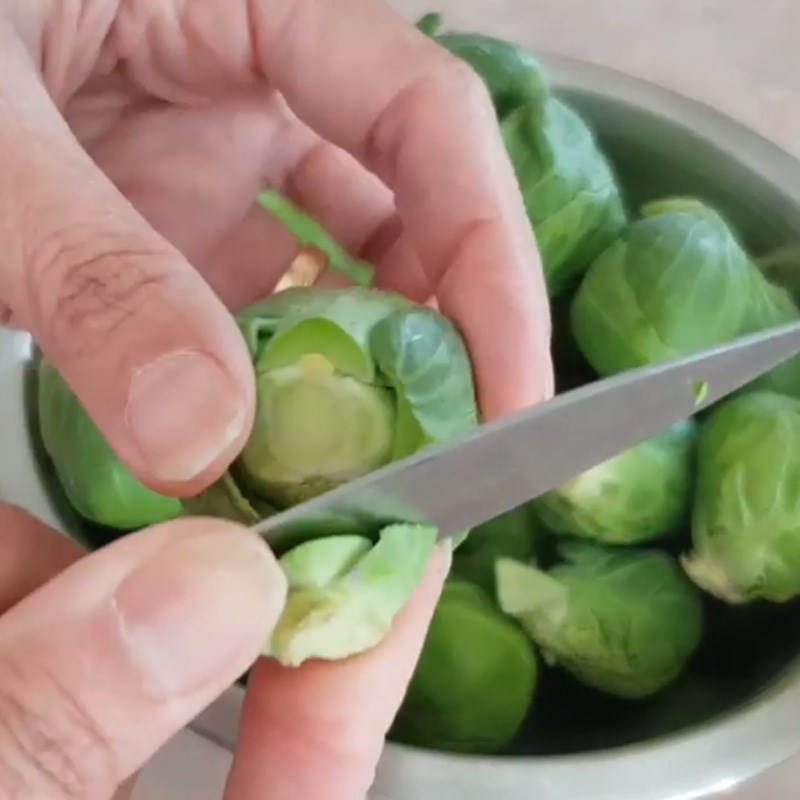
[(185, 107)]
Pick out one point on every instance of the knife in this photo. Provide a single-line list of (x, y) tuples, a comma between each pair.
[(507, 462)]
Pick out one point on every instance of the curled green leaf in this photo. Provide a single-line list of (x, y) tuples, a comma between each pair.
[(310, 233)]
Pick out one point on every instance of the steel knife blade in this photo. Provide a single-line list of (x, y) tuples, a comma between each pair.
[(507, 462)]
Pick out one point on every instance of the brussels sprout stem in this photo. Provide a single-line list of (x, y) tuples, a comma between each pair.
[(311, 234)]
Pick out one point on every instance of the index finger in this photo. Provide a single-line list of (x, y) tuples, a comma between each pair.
[(317, 731), (423, 121)]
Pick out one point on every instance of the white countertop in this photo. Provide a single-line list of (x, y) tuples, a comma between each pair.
[(738, 55)]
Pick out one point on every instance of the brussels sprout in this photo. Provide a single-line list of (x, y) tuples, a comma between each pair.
[(97, 484), (512, 535), (746, 518), (640, 495), (674, 282), (570, 193), (512, 75), (474, 682), (768, 306), (344, 592), (347, 380), (624, 622)]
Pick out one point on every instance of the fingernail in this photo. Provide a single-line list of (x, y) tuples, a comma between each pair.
[(200, 611), (184, 411)]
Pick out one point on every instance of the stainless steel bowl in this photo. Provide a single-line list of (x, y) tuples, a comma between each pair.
[(739, 712)]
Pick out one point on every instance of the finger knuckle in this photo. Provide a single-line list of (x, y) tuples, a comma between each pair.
[(49, 744), (85, 289), (446, 87)]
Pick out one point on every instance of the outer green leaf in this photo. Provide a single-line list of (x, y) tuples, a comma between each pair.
[(622, 621), (344, 592), (424, 358), (98, 485), (746, 521), (309, 232), (225, 499), (569, 189), (430, 24)]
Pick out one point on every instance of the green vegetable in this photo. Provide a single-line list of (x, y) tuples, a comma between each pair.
[(622, 621), (310, 233), (674, 282), (640, 495), (746, 519), (475, 679), (348, 380), (768, 306), (97, 484), (569, 189), (511, 535), (430, 24), (512, 75), (344, 592)]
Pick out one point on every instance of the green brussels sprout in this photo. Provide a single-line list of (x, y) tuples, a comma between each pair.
[(512, 535), (768, 306), (746, 517), (512, 75), (96, 483), (345, 591), (347, 380), (624, 622), (637, 496), (475, 680), (570, 193), (674, 282)]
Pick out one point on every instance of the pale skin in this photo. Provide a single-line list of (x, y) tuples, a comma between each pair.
[(187, 110)]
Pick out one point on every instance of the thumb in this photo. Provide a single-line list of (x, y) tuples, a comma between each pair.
[(152, 353), (114, 656)]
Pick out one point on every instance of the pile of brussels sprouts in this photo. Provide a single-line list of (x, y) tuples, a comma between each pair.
[(602, 579)]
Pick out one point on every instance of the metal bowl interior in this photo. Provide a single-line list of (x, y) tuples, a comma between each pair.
[(732, 715)]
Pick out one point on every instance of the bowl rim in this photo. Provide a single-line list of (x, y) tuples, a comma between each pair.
[(711, 757)]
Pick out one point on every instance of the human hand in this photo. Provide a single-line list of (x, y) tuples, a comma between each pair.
[(186, 112), (102, 664), (184, 108)]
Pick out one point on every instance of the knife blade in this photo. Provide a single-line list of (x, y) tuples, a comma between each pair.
[(507, 462)]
